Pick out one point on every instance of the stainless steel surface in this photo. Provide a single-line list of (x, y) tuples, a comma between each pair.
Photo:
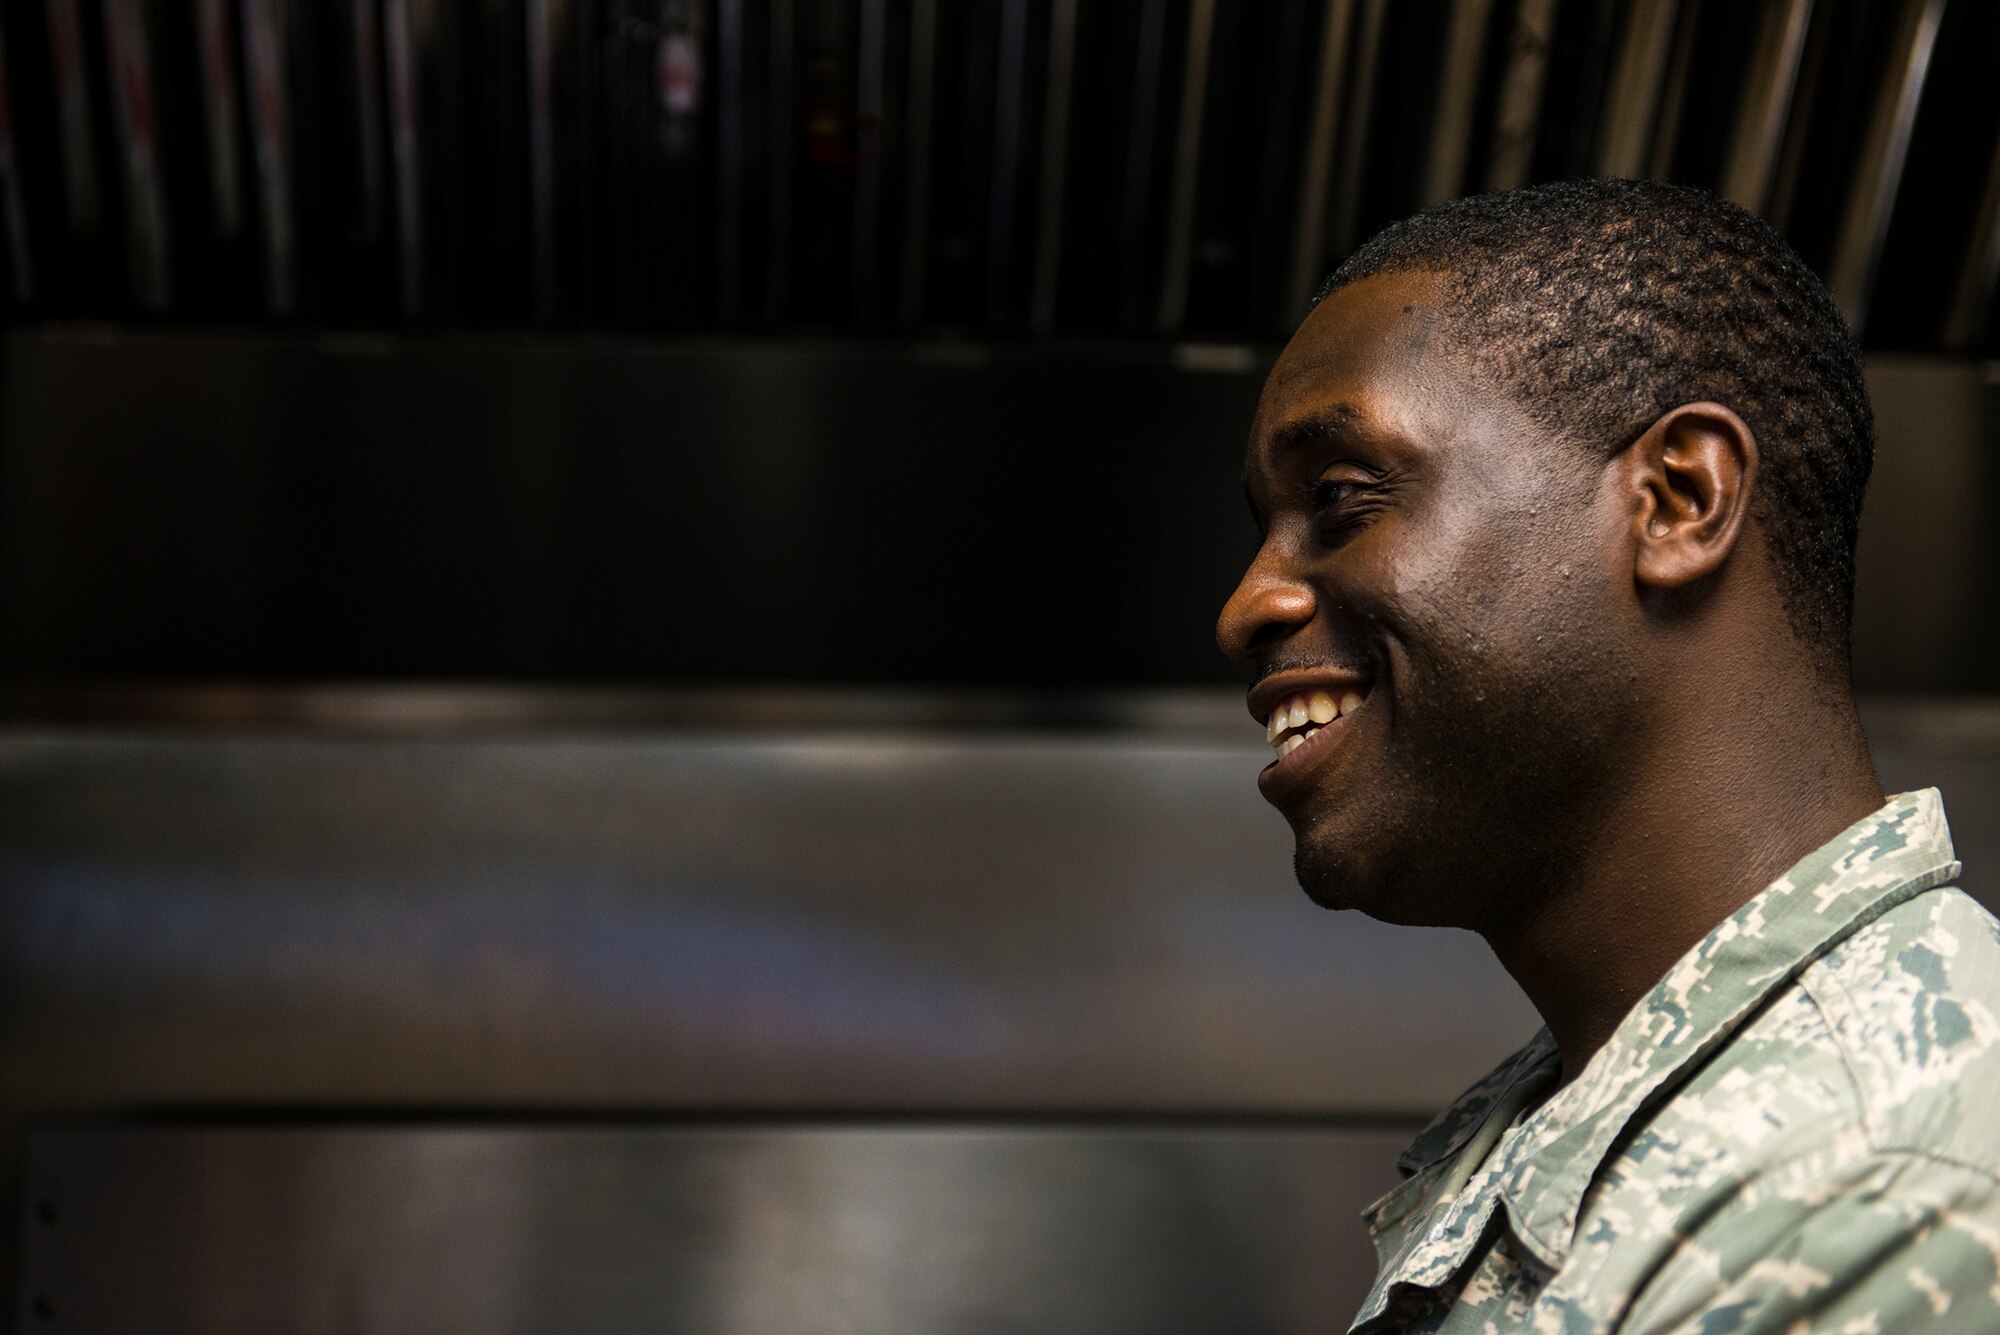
[(1632, 99), (1309, 243), (702, 918), (1458, 94), (797, 1229), (1751, 167), (798, 906), (1187, 166), (1865, 224)]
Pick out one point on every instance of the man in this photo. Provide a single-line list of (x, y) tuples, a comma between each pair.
[(1558, 491)]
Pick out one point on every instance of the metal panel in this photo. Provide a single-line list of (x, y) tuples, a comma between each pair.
[(800, 1229), (862, 919)]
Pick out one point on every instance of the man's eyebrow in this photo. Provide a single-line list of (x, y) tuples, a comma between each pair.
[(1336, 422)]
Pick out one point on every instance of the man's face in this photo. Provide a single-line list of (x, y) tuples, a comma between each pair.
[(1435, 561)]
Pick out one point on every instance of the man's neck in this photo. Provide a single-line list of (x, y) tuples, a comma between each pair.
[(1713, 819)]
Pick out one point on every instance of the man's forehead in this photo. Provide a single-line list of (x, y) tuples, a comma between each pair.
[(1393, 315), (1360, 352)]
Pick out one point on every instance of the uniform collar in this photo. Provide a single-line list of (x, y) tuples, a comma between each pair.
[(1541, 1173)]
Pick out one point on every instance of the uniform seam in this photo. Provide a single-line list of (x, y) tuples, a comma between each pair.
[(1836, 1018)]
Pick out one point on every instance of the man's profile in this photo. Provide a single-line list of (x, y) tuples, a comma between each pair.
[(1558, 492)]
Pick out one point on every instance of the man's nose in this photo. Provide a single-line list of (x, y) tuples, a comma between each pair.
[(1267, 607)]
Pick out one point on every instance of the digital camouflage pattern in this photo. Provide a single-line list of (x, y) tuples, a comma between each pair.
[(1797, 1131)]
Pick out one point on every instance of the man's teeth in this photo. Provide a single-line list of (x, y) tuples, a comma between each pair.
[(1299, 716)]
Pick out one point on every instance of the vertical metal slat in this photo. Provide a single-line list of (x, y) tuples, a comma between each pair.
[(366, 33), (871, 77), (264, 42), (130, 59), (406, 147), (1458, 90), (1632, 100), (732, 159), (1055, 165), (542, 152), (1517, 118), (1673, 94), (917, 173), (1360, 116), (1002, 201), (1187, 168), (1309, 247), (1750, 168), (20, 267), (218, 104), (1136, 207), (1979, 273), (783, 138), (1858, 250)]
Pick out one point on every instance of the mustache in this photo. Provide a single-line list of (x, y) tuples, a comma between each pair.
[(1276, 666)]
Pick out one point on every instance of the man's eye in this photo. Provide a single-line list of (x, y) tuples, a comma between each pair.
[(1328, 494)]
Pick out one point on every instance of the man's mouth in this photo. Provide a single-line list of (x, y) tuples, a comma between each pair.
[(1299, 717)]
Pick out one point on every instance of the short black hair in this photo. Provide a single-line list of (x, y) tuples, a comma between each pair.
[(1605, 303)]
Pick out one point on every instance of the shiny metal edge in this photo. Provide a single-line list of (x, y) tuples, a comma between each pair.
[(446, 709), (455, 709), (1865, 226)]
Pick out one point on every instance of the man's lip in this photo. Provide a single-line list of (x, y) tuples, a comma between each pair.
[(1266, 694), (1286, 776)]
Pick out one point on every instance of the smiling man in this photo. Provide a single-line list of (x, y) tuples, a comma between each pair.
[(1558, 491)]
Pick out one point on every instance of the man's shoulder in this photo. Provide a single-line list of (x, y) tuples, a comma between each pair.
[(1912, 1003)]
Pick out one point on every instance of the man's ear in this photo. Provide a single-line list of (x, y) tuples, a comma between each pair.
[(1691, 474)]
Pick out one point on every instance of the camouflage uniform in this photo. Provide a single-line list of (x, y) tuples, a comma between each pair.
[(1797, 1131)]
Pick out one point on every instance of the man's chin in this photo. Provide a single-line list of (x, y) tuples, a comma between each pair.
[(1348, 879)]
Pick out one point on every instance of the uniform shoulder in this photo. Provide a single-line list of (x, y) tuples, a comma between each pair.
[(1913, 1003)]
